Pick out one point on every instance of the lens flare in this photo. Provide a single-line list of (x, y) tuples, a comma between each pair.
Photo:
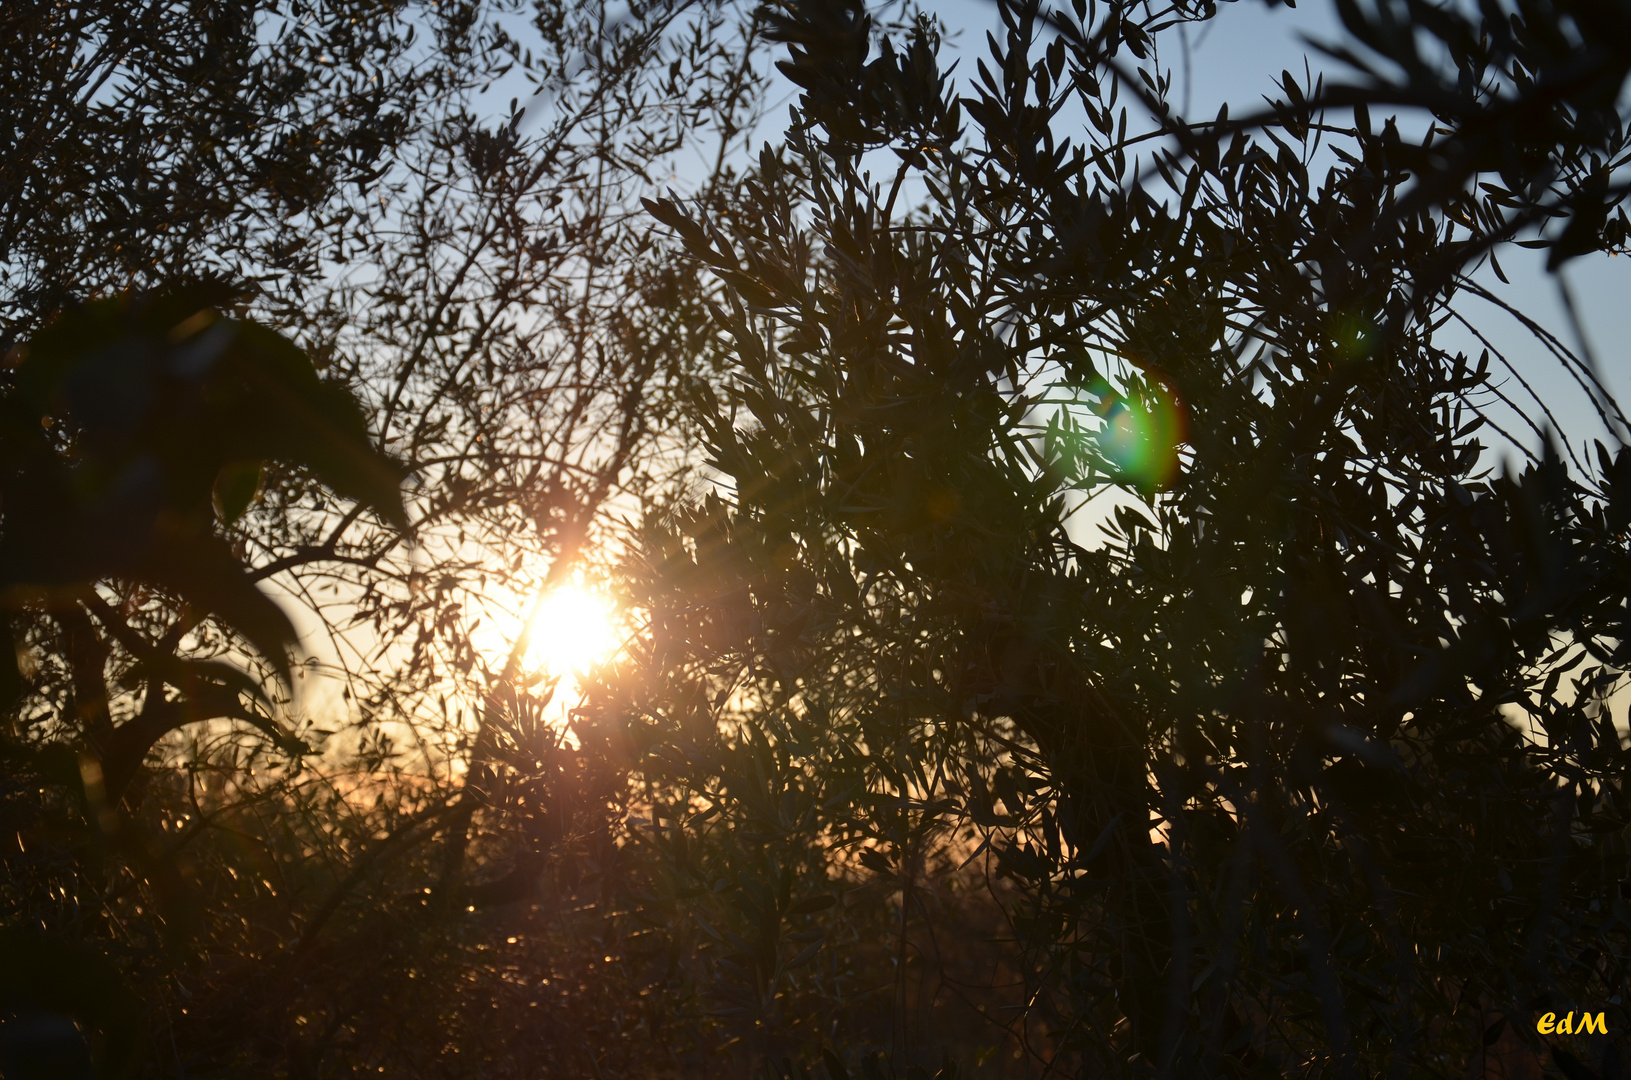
[(1141, 436)]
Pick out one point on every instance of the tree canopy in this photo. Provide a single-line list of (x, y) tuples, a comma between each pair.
[(1304, 764), (1079, 620), (312, 342)]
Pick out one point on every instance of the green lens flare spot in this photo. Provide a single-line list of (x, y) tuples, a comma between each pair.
[(1141, 436)]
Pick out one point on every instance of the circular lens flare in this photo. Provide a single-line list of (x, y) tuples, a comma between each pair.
[(1141, 436), (572, 630)]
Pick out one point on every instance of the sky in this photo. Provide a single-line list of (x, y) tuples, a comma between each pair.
[(1238, 56)]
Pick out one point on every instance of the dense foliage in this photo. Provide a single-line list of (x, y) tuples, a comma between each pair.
[(1112, 525), (370, 344), (1077, 627)]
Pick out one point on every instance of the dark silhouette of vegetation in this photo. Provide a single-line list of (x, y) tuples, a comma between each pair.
[(1075, 624), (1301, 762), (434, 356)]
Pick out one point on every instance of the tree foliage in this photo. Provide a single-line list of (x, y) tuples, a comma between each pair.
[(1113, 524), (312, 344), (1083, 626)]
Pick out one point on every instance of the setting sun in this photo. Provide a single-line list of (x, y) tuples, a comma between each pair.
[(571, 630)]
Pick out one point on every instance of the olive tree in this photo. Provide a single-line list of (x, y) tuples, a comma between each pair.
[(1295, 758), (318, 355)]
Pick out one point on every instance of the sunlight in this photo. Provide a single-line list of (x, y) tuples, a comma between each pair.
[(572, 630)]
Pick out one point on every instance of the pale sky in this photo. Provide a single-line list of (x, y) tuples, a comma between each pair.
[(1238, 57)]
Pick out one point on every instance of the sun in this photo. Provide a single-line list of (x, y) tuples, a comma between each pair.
[(572, 630)]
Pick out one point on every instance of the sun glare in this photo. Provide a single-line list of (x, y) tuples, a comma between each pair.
[(571, 631)]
